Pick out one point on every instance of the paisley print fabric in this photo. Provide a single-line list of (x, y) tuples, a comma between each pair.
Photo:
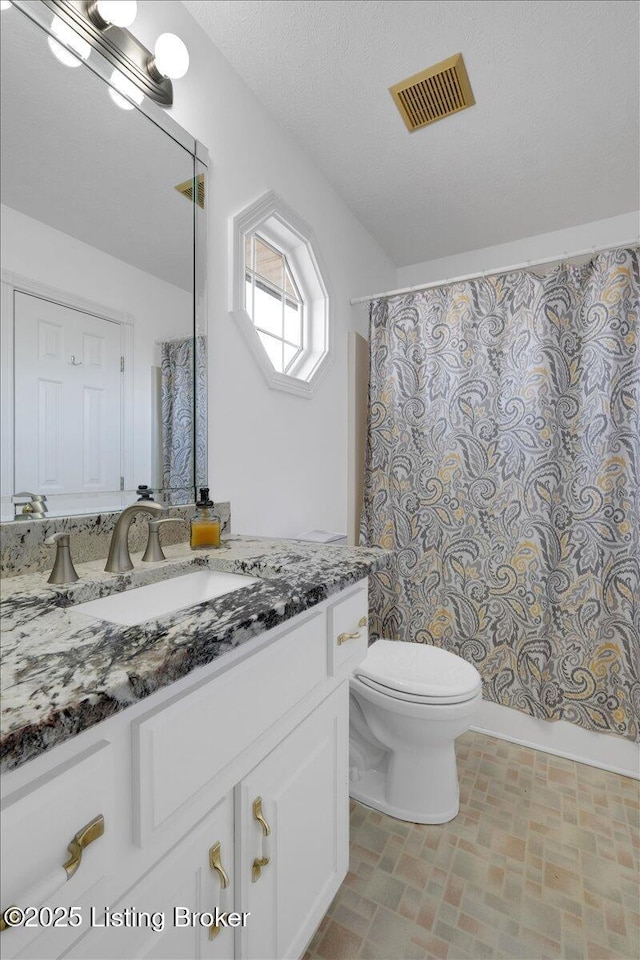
[(503, 467), (184, 441)]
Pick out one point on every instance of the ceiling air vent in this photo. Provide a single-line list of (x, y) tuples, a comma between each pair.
[(434, 93), (186, 189)]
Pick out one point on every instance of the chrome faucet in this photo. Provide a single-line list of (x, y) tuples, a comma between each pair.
[(119, 559)]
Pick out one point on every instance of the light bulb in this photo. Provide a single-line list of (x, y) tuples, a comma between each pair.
[(119, 84), (120, 13), (5, 4), (70, 39), (171, 57)]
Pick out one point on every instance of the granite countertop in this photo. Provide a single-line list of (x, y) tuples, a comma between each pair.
[(64, 671)]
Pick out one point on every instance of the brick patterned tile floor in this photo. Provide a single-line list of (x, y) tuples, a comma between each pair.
[(541, 863)]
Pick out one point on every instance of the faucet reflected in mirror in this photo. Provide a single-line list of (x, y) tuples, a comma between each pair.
[(33, 509)]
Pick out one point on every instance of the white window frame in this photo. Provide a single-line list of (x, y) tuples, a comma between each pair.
[(256, 280), (273, 219)]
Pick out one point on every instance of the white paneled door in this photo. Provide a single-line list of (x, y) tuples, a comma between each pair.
[(68, 399)]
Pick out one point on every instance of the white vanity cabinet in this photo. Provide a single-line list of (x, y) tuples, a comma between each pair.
[(302, 787), (236, 775)]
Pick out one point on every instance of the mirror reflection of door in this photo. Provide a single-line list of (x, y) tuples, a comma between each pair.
[(68, 399)]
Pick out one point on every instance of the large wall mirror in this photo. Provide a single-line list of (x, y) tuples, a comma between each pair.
[(103, 290)]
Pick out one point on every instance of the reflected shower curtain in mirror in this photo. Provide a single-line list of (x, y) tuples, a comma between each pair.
[(184, 442), (503, 467)]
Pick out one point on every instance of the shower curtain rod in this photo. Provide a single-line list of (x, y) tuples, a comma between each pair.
[(496, 273)]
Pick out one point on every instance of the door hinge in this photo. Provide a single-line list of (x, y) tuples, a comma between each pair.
[(122, 483), (121, 364)]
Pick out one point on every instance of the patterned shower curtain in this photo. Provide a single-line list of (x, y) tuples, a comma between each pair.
[(184, 441), (503, 465)]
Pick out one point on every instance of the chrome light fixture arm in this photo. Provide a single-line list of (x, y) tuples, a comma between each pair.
[(117, 45)]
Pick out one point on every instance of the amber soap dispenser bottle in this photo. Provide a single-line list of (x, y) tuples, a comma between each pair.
[(205, 525)]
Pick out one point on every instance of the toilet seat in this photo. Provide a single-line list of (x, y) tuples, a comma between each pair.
[(418, 673), (415, 698)]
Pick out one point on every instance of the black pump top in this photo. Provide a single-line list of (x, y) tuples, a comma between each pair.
[(204, 500), (145, 492)]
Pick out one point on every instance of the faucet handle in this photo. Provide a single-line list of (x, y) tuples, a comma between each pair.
[(154, 551), (61, 538), (63, 569)]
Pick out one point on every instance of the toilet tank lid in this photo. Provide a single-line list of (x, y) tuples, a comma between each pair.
[(419, 669)]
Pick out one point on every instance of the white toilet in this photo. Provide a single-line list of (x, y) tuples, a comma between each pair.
[(408, 703)]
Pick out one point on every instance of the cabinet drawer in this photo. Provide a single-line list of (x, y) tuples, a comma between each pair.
[(348, 632), (182, 746), (38, 823)]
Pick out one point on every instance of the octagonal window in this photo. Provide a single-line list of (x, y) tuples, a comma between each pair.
[(280, 295)]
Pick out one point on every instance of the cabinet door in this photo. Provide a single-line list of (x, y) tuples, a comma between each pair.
[(182, 884), (303, 791)]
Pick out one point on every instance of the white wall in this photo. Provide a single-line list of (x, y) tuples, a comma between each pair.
[(595, 234), (160, 310), (561, 738), (280, 459)]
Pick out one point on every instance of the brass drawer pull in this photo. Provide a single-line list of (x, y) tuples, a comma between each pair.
[(215, 862), (362, 622), (264, 857), (47, 887), (343, 637), (256, 869), (82, 839)]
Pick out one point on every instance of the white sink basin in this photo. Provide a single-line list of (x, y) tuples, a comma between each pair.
[(157, 599)]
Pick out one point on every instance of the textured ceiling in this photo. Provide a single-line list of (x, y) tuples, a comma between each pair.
[(552, 141)]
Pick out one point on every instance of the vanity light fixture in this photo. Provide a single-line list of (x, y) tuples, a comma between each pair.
[(67, 47), (112, 13), (102, 25), (170, 58)]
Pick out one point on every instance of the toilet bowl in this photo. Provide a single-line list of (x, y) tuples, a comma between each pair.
[(408, 703)]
